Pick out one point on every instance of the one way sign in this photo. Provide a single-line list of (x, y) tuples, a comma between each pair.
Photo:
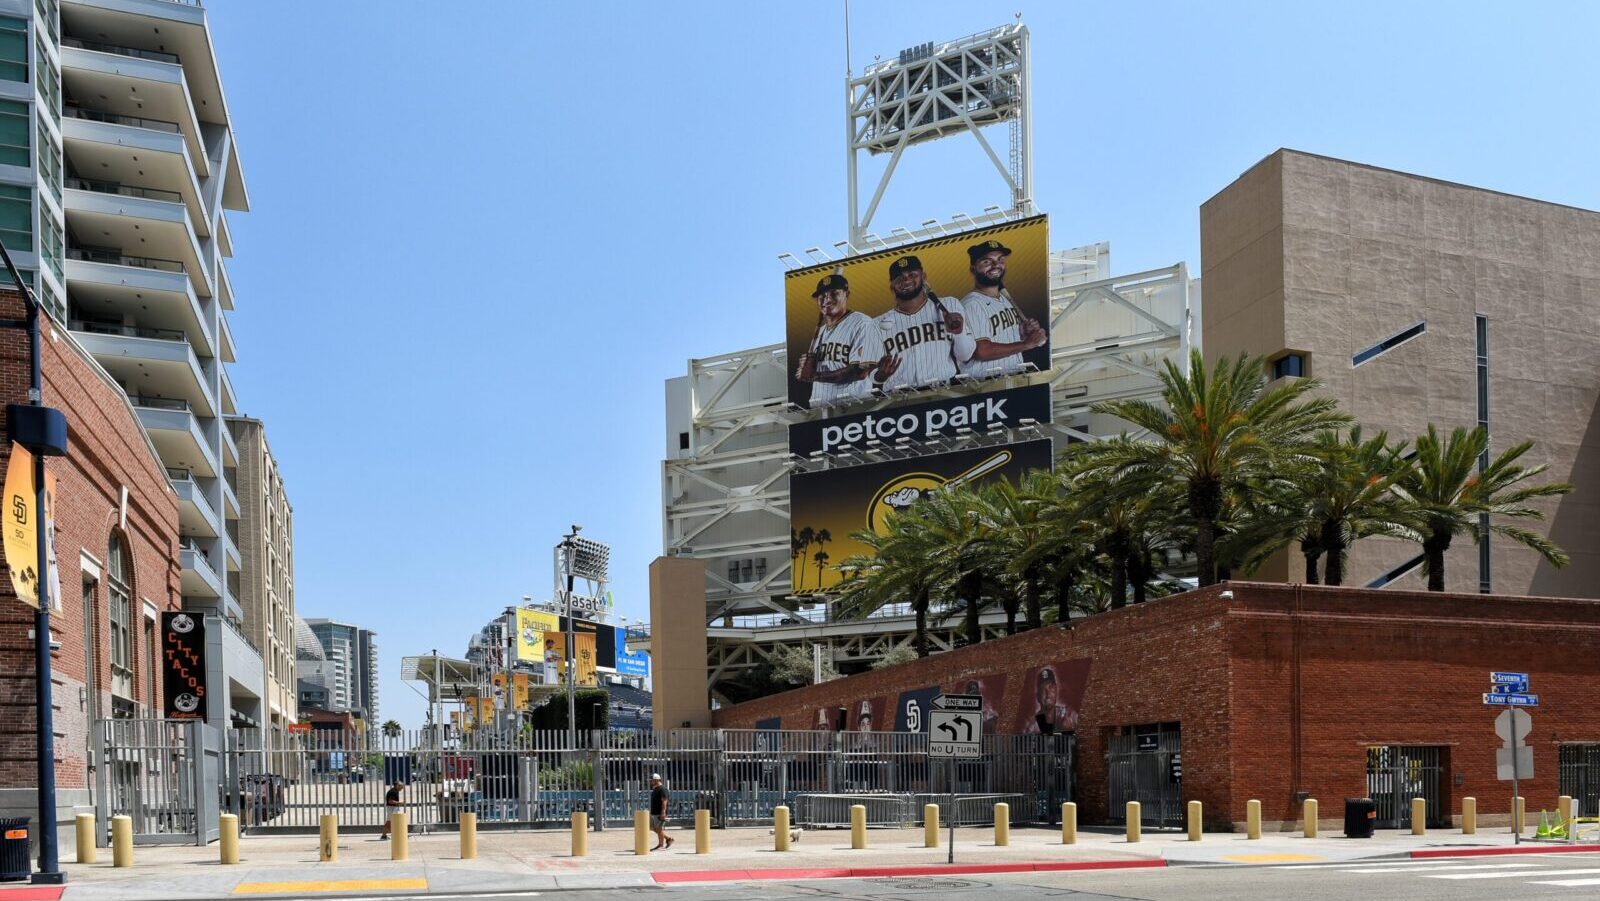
[(955, 733)]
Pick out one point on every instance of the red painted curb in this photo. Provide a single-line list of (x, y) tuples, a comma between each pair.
[(31, 892), (1519, 849), (910, 870)]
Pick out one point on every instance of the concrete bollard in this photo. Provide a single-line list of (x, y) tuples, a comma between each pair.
[(1308, 817), (1134, 825), (702, 832), (1069, 823), (1419, 816), (1469, 816), (399, 841), (85, 829), (641, 832), (1002, 824), (780, 828), (1252, 819), (328, 840), (1195, 810), (469, 836), (858, 827), (930, 825), (1564, 810), (122, 841), (580, 834), (1520, 814), (228, 837)]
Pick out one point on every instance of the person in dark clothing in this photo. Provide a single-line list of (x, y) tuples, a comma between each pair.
[(658, 812), (391, 804)]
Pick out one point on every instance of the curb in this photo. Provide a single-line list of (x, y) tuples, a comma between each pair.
[(31, 892), (674, 876), (1495, 852)]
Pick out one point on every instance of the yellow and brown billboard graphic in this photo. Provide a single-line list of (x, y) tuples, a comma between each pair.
[(20, 540), (584, 649), (828, 506), (531, 628), (974, 305)]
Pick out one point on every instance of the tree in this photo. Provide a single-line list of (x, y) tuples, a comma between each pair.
[(957, 536), (1213, 433), (1449, 494), (893, 571), (392, 729), (799, 543), (900, 653), (1018, 513), (793, 665), (1064, 548)]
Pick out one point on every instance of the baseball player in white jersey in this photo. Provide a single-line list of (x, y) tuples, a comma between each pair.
[(999, 330), (843, 350), (924, 342)]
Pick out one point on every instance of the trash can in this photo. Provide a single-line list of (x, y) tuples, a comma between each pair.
[(14, 863), (1360, 814)]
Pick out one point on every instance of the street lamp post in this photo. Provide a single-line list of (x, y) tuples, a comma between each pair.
[(569, 551)]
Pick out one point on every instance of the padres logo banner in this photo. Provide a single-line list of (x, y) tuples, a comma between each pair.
[(531, 628), (21, 540), (519, 691)]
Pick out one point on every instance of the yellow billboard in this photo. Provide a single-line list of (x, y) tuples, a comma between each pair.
[(531, 628), (20, 540), (519, 691), (584, 650)]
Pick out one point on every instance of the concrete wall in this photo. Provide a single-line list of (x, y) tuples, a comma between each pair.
[(1326, 257), (678, 643)]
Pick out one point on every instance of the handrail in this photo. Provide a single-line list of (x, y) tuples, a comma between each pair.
[(128, 331), (120, 50), (159, 403), (117, 258), (112, 187), (78, 112)]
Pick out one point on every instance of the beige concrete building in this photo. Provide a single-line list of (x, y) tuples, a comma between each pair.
[(266, 579), (1418, 301)]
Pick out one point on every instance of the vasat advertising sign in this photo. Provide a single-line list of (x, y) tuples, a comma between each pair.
[(827, 507), (975, 305), (917, 423)]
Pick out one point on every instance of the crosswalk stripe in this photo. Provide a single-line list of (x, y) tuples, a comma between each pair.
[(1565, 883), (1438, 869), (1353, 863), (1517, 873)]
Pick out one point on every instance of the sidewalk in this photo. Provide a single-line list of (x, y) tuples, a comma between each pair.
[(541, 861)]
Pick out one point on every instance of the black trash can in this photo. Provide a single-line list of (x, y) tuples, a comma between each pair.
[(14, 863), (1360, 814)]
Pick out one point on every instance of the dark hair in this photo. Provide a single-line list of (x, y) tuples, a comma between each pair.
[(1046, 676)]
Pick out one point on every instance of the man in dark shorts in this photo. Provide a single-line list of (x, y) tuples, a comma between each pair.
[(658, 812), (391, 804)]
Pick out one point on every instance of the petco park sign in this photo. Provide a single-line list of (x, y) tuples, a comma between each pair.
[(920, 422)]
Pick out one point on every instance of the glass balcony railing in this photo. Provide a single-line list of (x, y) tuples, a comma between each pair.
[(120, 50), (128, 331), (78, 112), (180, 475), (111, 187), (158, 403), (121, 259)]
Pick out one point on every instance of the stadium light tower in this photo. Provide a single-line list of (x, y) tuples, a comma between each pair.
[(933, 91), (577, 558)]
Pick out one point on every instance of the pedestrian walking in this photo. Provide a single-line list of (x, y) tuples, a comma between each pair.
[(658, 812), (391, 803)]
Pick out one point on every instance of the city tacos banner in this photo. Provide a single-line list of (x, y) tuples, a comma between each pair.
[(183, 672)]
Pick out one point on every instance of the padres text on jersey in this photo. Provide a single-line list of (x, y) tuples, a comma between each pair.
[(921, 342), (844, 343), (994, 319)]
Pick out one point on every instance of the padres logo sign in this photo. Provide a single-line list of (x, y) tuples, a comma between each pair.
[(907, 489)]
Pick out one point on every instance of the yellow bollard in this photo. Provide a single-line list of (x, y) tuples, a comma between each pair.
[(1520, 816), (780, 828), (1134, 823), (85, 828), (580, 834), (1002, 824), (702, 832), (1195, 809), (1069, 823), (1564, 811), (1419, 816), (328, 826), (1308, 817), (1252, 819), (858, 827), (469, 835), (641, 832), (121, 841), (930, 825), (399, 841), (1469, 816), (228, 832)]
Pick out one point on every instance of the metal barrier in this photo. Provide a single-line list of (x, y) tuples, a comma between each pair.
[(833, 811), (976, 810), (161, 774)]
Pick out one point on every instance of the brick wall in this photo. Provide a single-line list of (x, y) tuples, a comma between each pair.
[(108, 452), (1280, 688)]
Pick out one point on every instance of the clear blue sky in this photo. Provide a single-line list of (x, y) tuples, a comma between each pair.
[(484, 234)]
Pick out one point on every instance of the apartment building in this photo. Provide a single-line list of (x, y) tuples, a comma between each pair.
[(350, 673), (266, 585)]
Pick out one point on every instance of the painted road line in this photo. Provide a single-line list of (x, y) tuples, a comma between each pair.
[(1479, 866), (1275, 858), (1565, 883), (1357, 862), (330, 885), (1519, 873)]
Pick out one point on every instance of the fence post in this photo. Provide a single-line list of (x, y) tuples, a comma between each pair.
[(1134, 824), (702, 832), (469, 835), (399, 841), (329, 840), (930, 825), (1252, 819), (780, 828), (84, 823), (121, 841), (228, 834), (1308, 817), (1194, 820), (1469, 816), (598, 769), (1419, 816), (1069, 823), (580, 834)]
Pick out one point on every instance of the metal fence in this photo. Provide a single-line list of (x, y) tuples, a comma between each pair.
[(1579, 768), (540, 778), (161, 774), (1395, 775), (1147, 767)]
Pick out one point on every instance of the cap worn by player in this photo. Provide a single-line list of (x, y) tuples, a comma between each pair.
[(903, 265), (985, 248), (830, 283)]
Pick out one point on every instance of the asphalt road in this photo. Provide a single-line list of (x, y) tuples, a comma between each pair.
[(1555, 876)]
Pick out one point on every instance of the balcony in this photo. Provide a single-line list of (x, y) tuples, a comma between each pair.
[(108, 285), (230, 401), (154, 362), (199, 579), (195, 515), (137, 223), (226, 349), (116, 81), (133, 150), (176, 434), (230, 448), (230, 555), (230, 500)]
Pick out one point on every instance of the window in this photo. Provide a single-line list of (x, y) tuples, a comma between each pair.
[(13, 49), (152, 699), (121, 603), (1389, 343), (1289, 366), (49, 163), (49, 82), (683, 441), (13, 133), (50, 244), (16, 217), (51, 16)]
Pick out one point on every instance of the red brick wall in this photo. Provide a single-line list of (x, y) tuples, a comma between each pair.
[(108, 452), (1283, 687)]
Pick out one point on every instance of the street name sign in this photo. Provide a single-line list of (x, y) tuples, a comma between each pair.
[(1498, 699), (955, 734)]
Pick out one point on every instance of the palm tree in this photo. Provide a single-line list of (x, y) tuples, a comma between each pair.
[(959, 556), (1214, 432), (799, 543), (1449, 493), (893, 571), (391, 729), (1017, 514), (822, 537), (1064, 548), (821, 558)]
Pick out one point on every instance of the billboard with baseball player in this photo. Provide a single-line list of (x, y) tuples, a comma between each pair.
[(828, 506), (970, 306)]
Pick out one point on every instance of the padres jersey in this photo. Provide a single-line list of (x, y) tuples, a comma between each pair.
[(920, 341), (993, 319), (846, 342)]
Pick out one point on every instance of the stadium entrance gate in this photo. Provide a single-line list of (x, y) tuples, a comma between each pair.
[(1146, 765), (161, 774)]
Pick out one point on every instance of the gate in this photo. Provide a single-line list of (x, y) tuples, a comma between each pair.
[(1579, 767), (1395, 775), (1146, 765), (161, 774)]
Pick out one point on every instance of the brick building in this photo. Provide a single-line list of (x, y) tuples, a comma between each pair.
[(118, 563), (1277, 692)]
